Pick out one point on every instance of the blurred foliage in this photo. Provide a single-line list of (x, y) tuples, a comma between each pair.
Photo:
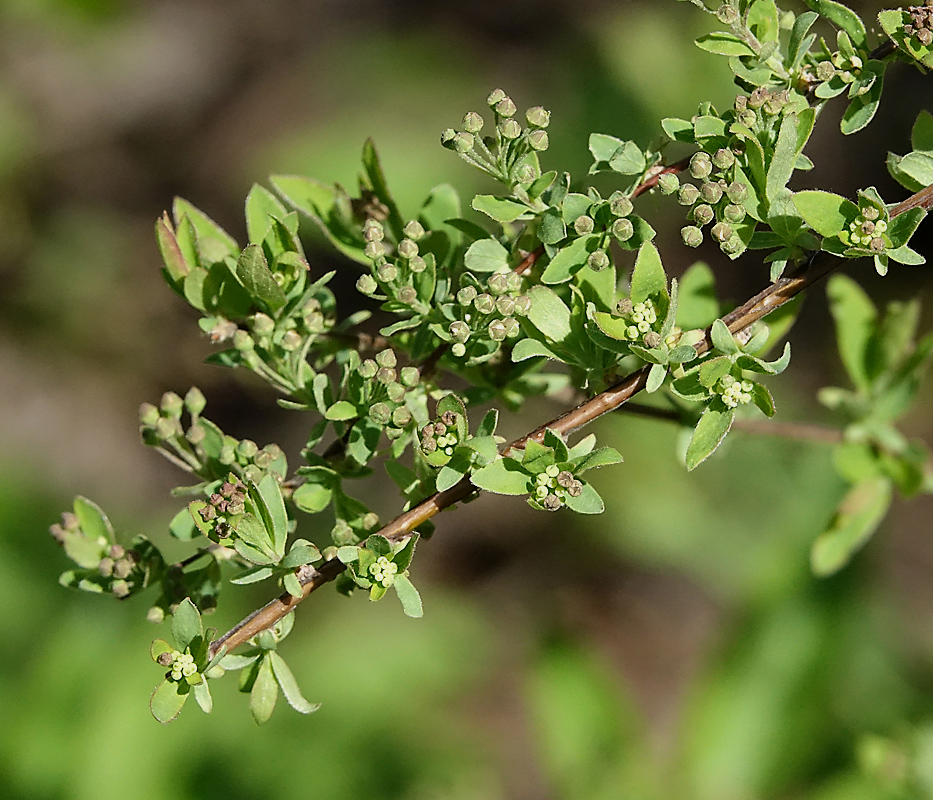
[(792, 687)]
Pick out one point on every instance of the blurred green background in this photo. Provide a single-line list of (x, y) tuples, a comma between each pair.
[(676, 647)]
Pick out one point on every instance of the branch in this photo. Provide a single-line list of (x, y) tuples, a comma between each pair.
[(817, 267)]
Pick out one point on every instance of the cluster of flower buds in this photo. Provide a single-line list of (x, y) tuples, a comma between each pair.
[(642, 319), (868, 231), (383, 390), (612, 217), (383, 571), (393, 273), (717, 201), (552, 487), (504, 153), (203, 445), (290, 333), (488, 315), (223, 506), (735, 392), (921, 23), (442, 435), (181, 666)]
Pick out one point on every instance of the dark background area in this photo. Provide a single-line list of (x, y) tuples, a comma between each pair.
[(676, 646)]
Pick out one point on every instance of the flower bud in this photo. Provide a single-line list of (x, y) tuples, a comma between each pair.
[(505, 107), (598, 261), (522, 305), (623, 229), (721, 231), (668, 183), (366, 284), (395, 391), (733, 214), (458, 350), (372, 231), (484, 303), (291, 341), (195, 401), (374, 250), (505, 305), (496, 330), (538, 140), (825, 70), (417, 265), (703, 214), (621, 206), (688, 194), (387, 273), (410, 376), (701, 165), (514, 282), (148, 415), (156, 615), (583, 224), (512, 327), (460, 331), (652, 339), (466, 295), (172, 405), (711, 192), (414, 230), (380, 413), (692, 236), (464, 142), (407, 295), (498, 283), (120, 589), (538, 117), (386, 358), (472, 122), (723, 158), (367, 369), (495, 96), (407, 248), (727, 14), (737, 192), (510, 129)]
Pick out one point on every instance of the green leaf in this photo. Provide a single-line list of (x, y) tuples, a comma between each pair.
[(656, 376), (261, 207), (252, 575), (271, 495), (213, 242), (825, 212), (628, 159), (341, 410), (503, 476), (256, 277), (697, 305), (312, 498), (265, 692), (251, 531), (531, 348), (377, 181), (724, 44), (648, 278), (856, 320), (602, 146), (289, 685), (921, 135), (844, 18), (499, 208), (594, 459), (486, 255), (408, 594), (722, 339), (93, 521), (784, 157), (712, 428), (176, 265), (167, 700), (202, 694), (186, 624), (853, 524), (863, 107), (913, 171), (571, 258), (902, 227), (549, 314)]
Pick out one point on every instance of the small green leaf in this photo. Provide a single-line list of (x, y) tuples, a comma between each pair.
[(571, 258), (862, 108), (186, 624), (486, 255), (587, 502), (261, 207), (549, 314), (531, 348), (202, 694), (724, 44), (273, 506), (722, 339), (602, 146), (648, 278), (256, 277), (656, 376), (853, 524), (856, 319), (312, 498), (167, 700), (93, 521), (341, 410), (503, 476), (289, 686), (921, 135), (712, 428), (264, 693), (844, 18), (408, 594), (628, 159), (825, 212), (499, 208)]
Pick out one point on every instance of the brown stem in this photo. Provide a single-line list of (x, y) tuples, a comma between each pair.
[(773, 297)]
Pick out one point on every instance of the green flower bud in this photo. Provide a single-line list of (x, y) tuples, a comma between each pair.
[(120, 589), (825, 70), (366, 284), (458, 350), (598, 261), (496, 330), (374, 250), (701, 165), (148, 415), (372, 231), (711, 192), (727, 14), (386, 358), (514, 282), (723, 158), (342, 534), (495, 96), (733, 214), (688, 194), (484, 303), (387, 273), (583, 224), (105, 567), (472, 122), (407, 248), (692, 236), (414, 230), (395, 391), (464, 142), (498, 283), (737, 192), (668, 183), (291, 341), (538, 117), (262, 324), (410, 376), (385, 375), (652, 339), (195, 434), (721, 231), (156, 615), (466, 295), (505, 107), (538, 140), (407, 295), (460, 331), (623, 229), (380, 413), (522, 305), (505, 305), (512, 327), (876, 245), (703, 214), (731, 246), (367, 369), (172, 405), (417, 265), (620, 205), (510, 129)]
